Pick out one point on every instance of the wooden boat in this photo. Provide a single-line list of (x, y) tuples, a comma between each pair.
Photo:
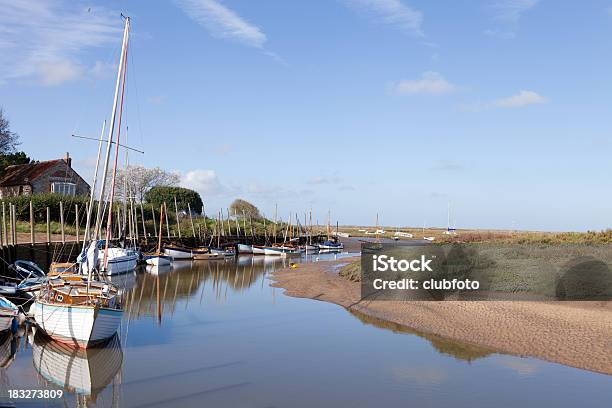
[(207, 256), (84, 372), (176, 252), (258, 250), (274, 251), (331, 245), (8, 314), (245, 249), (78, 313), (157, 260)]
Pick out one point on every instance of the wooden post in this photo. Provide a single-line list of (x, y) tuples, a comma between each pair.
[(178, 225), (191, 219), (144, 226), (62, 222), (48, 225), (4, 236), (76, 221), (32, 237), (14, 224), (154, 222), (167, 222)]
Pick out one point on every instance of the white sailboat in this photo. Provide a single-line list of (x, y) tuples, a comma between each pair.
[(87, 312)]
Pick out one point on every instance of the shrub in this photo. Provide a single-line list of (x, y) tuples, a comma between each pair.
[(184, 196)]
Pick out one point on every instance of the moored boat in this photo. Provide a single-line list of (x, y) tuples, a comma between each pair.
[(78, 313), (245, 249), (331, 245)]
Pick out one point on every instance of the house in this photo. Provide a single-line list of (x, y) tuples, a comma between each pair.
[(52, 176)]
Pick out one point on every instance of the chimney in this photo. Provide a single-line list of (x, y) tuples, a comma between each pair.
[(68, 160)]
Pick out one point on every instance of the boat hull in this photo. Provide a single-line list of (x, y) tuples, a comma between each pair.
[(178, 253), (245, 249), (158, 260), (81, 326)]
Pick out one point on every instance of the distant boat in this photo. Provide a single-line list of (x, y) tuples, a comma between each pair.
[(157, 258), (429, 238), (331, 245), (403, 234)]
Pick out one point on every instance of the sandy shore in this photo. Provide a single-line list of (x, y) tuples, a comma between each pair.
[(577, 334)]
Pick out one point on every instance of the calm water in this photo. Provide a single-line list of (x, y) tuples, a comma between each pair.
[(216, 334)]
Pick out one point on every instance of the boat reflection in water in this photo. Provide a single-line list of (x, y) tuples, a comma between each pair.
[(84, 372)]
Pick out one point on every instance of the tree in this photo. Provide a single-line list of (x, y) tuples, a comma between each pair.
[(241, 207), (184, 196), (12, 159), (139, 180), (8, 140)]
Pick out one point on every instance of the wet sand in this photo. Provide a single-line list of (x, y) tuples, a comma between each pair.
[(577, 334)]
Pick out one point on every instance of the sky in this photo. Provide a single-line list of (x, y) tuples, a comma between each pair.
[(500, 108)]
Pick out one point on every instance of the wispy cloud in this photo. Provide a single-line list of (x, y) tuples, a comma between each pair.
[(511, 10), (521, 99), (430, 83), (391, 12), (507, 14), (44, 40), (448, 166), (222, 22)]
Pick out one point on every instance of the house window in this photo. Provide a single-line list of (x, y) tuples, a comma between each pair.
[(63, 188)]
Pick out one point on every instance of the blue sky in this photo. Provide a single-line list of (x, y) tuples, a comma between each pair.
[(501, 107)]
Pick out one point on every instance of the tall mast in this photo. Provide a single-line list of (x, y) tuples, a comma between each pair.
[(93, 189), (120, 81), (111, 129)]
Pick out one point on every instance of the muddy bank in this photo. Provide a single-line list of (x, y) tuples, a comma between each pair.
[(577, 334)]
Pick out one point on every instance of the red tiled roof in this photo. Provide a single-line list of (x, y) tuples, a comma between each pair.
[(24, 173)]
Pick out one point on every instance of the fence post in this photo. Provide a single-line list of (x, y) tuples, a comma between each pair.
[(4, 236), (76, 221), (14, 224), (178, 224), (191, 219), (144, 226), (62, 222), (32, 235), (48, 225), (154, 222)]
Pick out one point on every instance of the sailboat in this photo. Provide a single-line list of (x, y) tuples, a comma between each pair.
[(87, 312), (157, 258)]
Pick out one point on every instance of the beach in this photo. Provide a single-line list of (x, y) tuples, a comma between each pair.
[(577, 334)]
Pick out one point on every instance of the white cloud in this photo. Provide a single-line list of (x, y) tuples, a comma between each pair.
[(430, 83), (205, 182), (523, 98), (391, 12), (44, 40), (519, 100), (510, 11), (222, 22)]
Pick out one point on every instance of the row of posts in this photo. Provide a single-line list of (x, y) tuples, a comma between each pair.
[(8, 232)]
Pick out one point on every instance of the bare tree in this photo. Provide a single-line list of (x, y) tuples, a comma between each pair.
[(8, 140), (138, 180)]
